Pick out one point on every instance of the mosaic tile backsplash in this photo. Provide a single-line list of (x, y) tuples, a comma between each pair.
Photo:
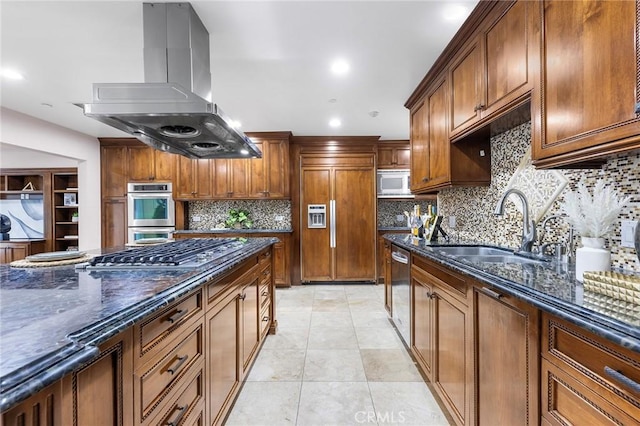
[(262, 212), (388, 211), (473, 207)]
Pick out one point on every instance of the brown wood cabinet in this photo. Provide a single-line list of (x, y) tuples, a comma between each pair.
[(585, 106), (442, 335), (147, 164), (65, 210), (506, 339), (101, 393), (18, 250), (585, 378), (494, 71), (382, 269), (43, 408), (270, 174), (194, 178), (435, 162), (394, 155), (281, 251)]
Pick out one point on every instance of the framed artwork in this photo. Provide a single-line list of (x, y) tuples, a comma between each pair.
[(70, 199)]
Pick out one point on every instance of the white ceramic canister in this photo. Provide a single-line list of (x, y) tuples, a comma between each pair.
[(592, 256)]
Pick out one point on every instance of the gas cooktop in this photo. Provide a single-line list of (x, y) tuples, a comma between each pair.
[(182, 254)]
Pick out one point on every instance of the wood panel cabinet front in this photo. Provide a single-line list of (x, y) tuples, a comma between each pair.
[(193, 179), (42, 409), (114, 222), (586, 105), (422, 328), (506, 338), (394, 155)]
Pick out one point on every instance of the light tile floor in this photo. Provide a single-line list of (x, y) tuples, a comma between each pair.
[(335, 360)]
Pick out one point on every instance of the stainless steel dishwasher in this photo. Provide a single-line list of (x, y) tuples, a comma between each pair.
[(400, 292)]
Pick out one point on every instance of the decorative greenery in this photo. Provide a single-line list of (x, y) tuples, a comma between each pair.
[(238, 218), (594, 215), (75, 214)]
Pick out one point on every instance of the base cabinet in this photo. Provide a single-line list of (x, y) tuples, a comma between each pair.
[(506, 336), (18, 250), (180, 366)]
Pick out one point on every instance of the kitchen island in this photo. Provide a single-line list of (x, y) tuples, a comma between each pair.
[(516, 340), (55, 320)]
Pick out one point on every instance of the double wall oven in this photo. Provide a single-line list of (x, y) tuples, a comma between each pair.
[(151, 211)]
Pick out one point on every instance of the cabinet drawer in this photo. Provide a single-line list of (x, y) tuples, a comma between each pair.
[(265, 295), (265, 274), (265, 319), (154, 334), (566, 400), (215, 287), (593, 361), (159, 377), (446, 280), (187, 407), (264, 257)]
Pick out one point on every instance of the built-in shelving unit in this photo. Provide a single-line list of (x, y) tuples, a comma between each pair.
[(65, 211)]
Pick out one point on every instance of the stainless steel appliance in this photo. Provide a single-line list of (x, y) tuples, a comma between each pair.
[(150, 204), (172, 110), (182, 254), (394, 184), (401, 292), (151, 211)]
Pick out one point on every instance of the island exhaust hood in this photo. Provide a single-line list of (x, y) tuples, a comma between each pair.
[(172, 111)]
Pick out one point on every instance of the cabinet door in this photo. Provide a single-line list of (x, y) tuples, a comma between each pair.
[(239, 173), (165, 165), (419, 147), (403, 157), (183, 188), (281, 264), (219, 178), (355, 224), (114, 222), (259, 186), (43, 408), (113, 167), (438, 137), (452, 357), (277, 168), (590, 81), (203, 179), (508, 43), (249, 310), (385, 157), (222, 356), (466, 87), (507, 389), (141, 163), (422, 330), (101, 393), (315, 249)]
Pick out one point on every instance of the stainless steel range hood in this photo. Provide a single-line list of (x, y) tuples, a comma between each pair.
[(172, 111)]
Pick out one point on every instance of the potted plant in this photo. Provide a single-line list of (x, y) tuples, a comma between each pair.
[(75, 217), (593, 217), (238, 219)]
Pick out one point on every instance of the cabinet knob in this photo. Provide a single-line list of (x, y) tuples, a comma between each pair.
[(425, 179), (478, 107), (193, 192), (265, 319)]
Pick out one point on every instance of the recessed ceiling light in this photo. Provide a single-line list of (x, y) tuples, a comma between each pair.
[(455, 12), (374, 114), (11, 74), (333, 100), (340, 67), (335, 122)]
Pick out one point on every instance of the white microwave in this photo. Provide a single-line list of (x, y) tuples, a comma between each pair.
[(394, 183)]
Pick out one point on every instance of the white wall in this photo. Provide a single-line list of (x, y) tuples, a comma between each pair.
[(56, 146)]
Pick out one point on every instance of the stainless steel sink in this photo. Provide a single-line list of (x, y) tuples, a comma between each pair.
[(485, 254), (473, 251), (501, 259)]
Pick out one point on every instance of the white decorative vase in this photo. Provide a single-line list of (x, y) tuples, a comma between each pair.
[(592, 256)]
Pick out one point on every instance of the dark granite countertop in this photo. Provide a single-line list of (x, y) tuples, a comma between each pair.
[(233, 231), (53, 319), (551, 287), (394, 228)]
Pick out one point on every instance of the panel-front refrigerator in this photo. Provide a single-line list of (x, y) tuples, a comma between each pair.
[(338, 223)]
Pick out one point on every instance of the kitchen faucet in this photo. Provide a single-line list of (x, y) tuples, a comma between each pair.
[(528, 226)]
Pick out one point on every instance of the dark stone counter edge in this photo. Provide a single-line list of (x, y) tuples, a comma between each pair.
[(233, 231), (394, 228), (83, 347), (617, 332)]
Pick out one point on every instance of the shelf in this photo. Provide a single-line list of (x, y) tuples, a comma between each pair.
[(61, 191), (67, 223), (73, 206)]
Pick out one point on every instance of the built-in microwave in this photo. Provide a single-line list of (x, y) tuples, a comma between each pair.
[(394, 183)]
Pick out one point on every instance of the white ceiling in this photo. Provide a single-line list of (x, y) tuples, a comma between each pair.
[(269, 60)]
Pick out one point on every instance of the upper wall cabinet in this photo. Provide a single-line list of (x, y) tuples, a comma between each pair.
[(270, 175), (493, 71), (394, 155), (147, 164), (586, 104)]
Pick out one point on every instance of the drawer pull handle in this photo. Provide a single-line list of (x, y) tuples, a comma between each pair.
[(179, 314), (491, 293), (265, 318), (265, 293), (181, 412), (181, 360), (619, 377), (243, 296)]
